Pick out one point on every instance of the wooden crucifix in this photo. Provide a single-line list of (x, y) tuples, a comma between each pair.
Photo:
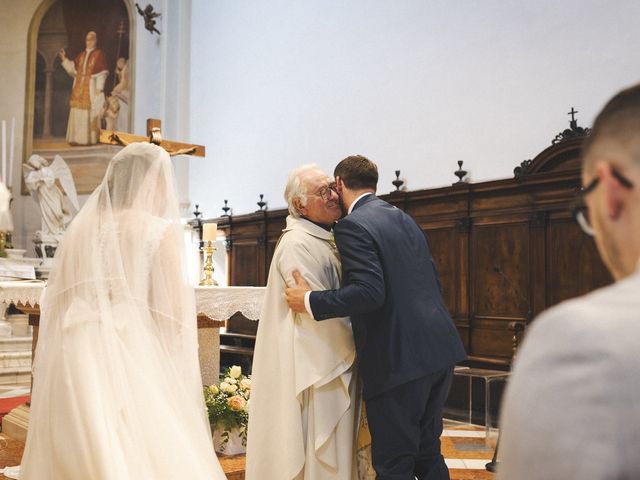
[(111, 137)]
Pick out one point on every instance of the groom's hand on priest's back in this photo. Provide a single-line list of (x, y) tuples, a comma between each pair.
[(295, 295)]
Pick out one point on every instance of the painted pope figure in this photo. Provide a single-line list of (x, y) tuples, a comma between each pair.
[(89, 70), (303, 396)]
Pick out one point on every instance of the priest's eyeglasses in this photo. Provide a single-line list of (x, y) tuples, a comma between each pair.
[(579, 208), (325, 192)]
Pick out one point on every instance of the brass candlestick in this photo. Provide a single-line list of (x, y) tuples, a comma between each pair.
[(208, 280), (3, 244)]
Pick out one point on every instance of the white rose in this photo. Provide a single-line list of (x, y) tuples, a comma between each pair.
[(235, 371), (245, 384), (230, 380), (230, 388), (224, 386)]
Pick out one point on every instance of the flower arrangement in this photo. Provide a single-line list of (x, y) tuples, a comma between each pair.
[(228, 405)]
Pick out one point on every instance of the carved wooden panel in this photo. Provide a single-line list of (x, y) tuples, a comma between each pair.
[(490, 339), (500, 270), (505, 250), (441, 242), (574, 266), (244, 264)]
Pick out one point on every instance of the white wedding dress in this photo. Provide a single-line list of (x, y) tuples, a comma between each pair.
[(117, 391)]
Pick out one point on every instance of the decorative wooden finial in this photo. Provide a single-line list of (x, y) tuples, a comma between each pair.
[(262, 204), (225, 209), (460, 173), (197, 212), (397, 182)]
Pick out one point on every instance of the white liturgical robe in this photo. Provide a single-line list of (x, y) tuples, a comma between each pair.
[(303, 407)]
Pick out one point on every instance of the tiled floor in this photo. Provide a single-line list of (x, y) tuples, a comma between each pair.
[(466, 451), (463, 447)]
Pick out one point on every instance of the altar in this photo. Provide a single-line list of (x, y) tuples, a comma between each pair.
[(214, 306)]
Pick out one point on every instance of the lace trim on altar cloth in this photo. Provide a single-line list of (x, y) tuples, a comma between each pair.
[(220, 303), (26, 293), (216, 303)]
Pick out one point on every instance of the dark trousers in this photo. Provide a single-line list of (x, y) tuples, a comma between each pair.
[(405, 424)]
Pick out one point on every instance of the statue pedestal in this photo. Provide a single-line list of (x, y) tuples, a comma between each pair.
[(45, 247)]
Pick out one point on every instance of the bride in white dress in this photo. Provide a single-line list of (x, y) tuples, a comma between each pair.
[(117, 391)]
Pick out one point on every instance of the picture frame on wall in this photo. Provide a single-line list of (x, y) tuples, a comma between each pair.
[(79, 79)]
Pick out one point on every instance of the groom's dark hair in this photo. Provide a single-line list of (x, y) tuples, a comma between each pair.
[(357, 173)]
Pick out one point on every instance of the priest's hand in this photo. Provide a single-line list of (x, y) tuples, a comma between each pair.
[(295, 295)]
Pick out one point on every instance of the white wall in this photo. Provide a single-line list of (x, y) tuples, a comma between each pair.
[(161, 77), (14, 25), (414, 84)]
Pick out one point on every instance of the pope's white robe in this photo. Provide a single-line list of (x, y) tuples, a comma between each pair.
[(303, 406)]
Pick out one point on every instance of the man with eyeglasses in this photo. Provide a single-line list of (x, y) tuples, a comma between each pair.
[(303, 405), (572, 408), (406, 340)]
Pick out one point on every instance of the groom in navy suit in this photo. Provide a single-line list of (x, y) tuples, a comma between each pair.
[(406, 342)]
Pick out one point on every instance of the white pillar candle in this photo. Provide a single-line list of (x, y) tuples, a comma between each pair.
[(11, 149), (209, 231), (4, 151)]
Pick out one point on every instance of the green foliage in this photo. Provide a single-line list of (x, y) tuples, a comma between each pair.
[(228, 404)]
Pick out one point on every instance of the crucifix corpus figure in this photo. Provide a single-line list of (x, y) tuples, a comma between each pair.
[(111, 137)]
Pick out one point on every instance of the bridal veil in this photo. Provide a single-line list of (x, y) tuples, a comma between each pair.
[(117, 390)]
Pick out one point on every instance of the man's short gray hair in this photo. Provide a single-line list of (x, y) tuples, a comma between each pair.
[(619, 121), (297, 187)]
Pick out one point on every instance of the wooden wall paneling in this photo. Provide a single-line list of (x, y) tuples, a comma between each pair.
[(449, 248), (228, 246), (537, 272), (574, 267), (262, 242), (247, 253), (244, 261), (438, 204), (500, 266), (442, 242), (505, 249), (499, 283), (443, 216), (462, 246), (398, 199), (276, 222)]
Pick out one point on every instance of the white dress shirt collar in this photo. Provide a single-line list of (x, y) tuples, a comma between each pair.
[(353, 204)]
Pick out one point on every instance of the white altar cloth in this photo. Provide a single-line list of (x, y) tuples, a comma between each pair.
[(24, 292), (220, 303), (216, 303)]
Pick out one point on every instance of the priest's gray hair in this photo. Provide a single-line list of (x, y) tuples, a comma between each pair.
[(297, 186)]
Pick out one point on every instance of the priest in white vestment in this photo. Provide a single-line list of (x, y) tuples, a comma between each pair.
[(303, 410)]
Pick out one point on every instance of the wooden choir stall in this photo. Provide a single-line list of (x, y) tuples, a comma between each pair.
[(505, 250)]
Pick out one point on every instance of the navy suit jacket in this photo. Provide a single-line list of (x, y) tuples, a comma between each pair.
[(401, 328)]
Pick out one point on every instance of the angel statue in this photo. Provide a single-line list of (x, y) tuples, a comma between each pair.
[(40, 178), (149, 18)]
